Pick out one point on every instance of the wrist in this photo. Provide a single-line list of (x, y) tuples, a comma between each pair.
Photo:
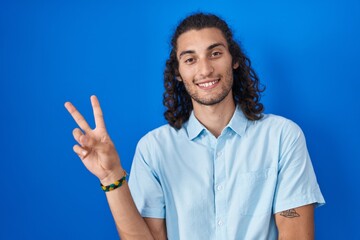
[(113, 177)]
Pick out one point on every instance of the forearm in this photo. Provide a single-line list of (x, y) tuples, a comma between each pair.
[(129, 223)]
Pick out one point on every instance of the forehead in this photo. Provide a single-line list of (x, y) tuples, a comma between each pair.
[(197, 40)]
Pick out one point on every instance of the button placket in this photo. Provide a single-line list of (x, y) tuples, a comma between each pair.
[(219, 187), (220, 223)]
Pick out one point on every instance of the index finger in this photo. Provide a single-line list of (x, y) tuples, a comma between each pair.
[(98, 115), (79, 119)]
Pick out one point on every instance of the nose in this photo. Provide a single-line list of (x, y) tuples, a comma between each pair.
[(205, 68)]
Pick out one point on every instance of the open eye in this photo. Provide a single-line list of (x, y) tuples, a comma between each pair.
[(216, 54), (189, 60)]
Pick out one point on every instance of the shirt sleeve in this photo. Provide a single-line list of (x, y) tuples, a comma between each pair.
[(144, 183), (296, 184)]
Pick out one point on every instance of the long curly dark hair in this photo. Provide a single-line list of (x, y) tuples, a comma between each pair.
[(246, 87)]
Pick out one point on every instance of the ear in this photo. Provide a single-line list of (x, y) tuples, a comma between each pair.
[(236, 65), (178, 77)]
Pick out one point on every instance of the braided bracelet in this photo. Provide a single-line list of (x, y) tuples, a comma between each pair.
[(114, 185)]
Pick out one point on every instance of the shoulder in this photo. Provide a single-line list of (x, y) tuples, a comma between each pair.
[(275, 128), (288, 133), (162, 133), (160, 137), (158, 143), (276, 122)]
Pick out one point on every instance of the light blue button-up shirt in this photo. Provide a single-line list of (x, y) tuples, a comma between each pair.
[(227, 187)]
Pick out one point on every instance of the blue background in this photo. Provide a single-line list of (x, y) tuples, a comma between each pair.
[(306, 53)]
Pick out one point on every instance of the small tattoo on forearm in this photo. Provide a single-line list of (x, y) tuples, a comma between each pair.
[(291, 213)]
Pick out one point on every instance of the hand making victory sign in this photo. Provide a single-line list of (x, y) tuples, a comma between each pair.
[(98, 153), (95, 148)]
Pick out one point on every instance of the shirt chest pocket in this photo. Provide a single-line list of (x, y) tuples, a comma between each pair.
[(254, 192)]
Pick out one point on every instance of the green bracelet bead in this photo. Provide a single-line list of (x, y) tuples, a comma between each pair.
[(114, 185)]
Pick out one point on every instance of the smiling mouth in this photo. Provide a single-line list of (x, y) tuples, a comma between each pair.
[(208, 84)]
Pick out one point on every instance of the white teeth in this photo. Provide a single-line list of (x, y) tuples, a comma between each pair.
[(208, 84)]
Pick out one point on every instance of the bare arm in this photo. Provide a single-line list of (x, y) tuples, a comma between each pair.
[(129, 223), (98, 154), (157, 227), (297, 223)]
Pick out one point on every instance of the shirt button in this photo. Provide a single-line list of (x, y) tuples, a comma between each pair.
[(219, 154), (219, 187), (220, 223)]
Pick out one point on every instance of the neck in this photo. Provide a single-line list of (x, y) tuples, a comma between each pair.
[(215, 117)]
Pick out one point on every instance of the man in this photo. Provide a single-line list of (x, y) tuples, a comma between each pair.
[(221, 169)]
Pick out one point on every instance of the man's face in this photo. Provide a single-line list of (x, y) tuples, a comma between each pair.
[(205, 66)]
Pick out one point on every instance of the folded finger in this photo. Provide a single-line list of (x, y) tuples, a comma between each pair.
[(88, 141), (79, 119), (81, 152), (77, 133)]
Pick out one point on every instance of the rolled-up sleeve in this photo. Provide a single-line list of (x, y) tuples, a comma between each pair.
[(144, 183), (296, 184)]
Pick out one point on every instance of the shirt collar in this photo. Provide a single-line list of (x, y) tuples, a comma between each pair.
[(238, 124), (194, 127)]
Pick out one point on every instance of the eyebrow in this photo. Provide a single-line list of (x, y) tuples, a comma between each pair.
[(212, 46)]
